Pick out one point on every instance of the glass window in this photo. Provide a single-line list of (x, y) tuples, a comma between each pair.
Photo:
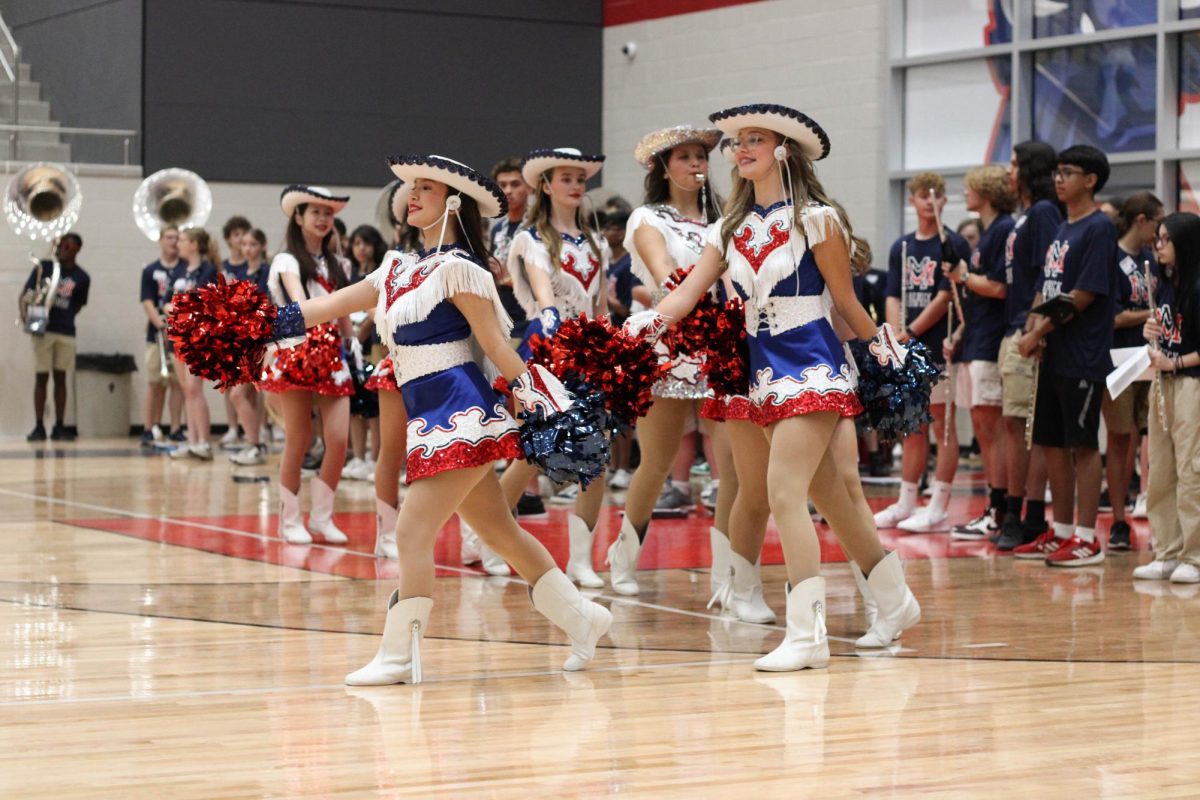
[(1189, 186), (1064, 17), (1189, 9), (1189, 89), (1125, 179), (957, 113), (1101, 95), (940, 26)]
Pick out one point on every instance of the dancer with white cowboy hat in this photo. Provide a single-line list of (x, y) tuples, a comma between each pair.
[(308, 266), (791, 254), (559, 266), (429, 306)]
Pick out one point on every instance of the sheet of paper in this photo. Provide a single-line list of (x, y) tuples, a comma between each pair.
[(1133, 364)]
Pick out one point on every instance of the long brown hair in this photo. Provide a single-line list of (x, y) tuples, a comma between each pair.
[(294, 244), (208, 245), (538, 218), (657, 188), (805, 188)]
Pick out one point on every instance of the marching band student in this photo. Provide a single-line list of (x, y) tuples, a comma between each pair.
[(978, 378), (307, 268), (1173, 330), (198, 257), (790, 252), (155, 290), (1080, 266), (251, 412), (234, 268), (1030, 177), (1125, 417), (925, 293), (507, 175), (430, 305), (559, 269)]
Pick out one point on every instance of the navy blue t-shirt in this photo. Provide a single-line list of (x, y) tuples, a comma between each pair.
[(156, 287), (70, 296), (870, 290), (503, 232), (925, 280), (986, 316), (1024, 256), (1179, 336), (232, 270), (1132, 295), (620, 281), (184, 281), (1083, 255)]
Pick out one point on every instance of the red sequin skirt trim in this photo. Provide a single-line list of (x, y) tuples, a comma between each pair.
[(463, 455), (383, 379), (846, 404), (737, 407)]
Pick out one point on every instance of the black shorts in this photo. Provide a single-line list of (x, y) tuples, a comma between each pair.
[(1067, 413)]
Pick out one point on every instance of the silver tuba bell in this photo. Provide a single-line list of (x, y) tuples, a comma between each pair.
[(42, 202), (172, 196)]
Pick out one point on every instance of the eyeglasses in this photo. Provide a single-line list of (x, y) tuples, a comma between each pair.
[(1162, 240), (751, 141), (1063, 173)]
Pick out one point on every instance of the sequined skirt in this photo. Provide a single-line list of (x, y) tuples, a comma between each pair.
[(800, 371), (316, 365), (383, 379)]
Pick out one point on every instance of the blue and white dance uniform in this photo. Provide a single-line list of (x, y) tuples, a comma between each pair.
[(455, 418), (684, 238), (797, 363), (578, 283)]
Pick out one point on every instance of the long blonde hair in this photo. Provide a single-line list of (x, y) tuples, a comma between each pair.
[(538, 218), (206, 244), (805, 188)]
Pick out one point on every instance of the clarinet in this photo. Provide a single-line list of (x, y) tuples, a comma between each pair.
[(1155, 384)]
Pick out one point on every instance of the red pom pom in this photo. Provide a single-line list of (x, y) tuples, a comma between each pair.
[(623, 367), (717, 332), (221, 331), (312, 362)]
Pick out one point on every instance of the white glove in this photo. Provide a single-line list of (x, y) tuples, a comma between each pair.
[(886, 348), (539, 388), (354, 353), (647, 324)]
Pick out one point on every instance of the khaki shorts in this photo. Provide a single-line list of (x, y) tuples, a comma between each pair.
[(154, 365), (1017, 374), (1130, 412), (977, 383), (940, 391), (53, 351)]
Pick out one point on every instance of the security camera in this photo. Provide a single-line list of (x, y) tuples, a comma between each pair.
[(629, 49)]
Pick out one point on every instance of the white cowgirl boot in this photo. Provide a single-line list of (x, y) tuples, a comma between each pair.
[(584, 621), (385, 530), (623, 559), (897, 609), (746, 600), (870, 610), (579, 562), (399, 656), (472, 547), (719, 575), (291, 522), (320, 519), (805, 644)]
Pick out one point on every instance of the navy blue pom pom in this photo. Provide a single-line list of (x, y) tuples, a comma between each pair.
[(570, 447), (895, 401)]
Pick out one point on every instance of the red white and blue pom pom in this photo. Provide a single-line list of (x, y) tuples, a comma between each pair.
[(221, 331), (895, 399)]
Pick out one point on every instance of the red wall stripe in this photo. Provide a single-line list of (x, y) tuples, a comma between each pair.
[(622, 12)]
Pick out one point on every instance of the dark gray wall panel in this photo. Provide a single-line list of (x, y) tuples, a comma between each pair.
[(323, 90)]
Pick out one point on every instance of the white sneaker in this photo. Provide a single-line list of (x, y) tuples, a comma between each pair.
[(250, 456), (156, 433), (620, 479), (1156, 570), (566, 497), (926, 520), (892, 516), (355, 470), (1139, 507), (231, 437), (202, 451), (1186, 573), (180, 452)]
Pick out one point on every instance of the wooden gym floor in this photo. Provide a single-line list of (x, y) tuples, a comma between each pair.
[(157, 641)]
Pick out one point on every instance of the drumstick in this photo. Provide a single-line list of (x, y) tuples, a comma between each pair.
[(903, 286), (1156, 384), (953, 286)]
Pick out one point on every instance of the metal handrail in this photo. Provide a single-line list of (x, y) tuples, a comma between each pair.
[(12, 43), (56, 129)]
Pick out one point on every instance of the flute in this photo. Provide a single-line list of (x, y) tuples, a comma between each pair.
[(1156, 384), (953, 290), (1032, 406), (903, 286)]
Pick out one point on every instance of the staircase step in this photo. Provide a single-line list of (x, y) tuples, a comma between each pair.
[(31, 90), (32, 112)]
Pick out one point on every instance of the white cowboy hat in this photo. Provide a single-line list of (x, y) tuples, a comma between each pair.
[(300, 194), (785, 121), (454, 174), (538, 162), (652, 144)]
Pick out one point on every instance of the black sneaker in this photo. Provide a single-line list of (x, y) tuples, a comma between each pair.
[(60, 434), (1118, 536), (178, 436), (1105, 503), (530, 505), (147, 439), (38, 434), (982, 527), (1011, 534)]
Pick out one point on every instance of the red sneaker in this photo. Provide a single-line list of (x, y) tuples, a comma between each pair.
[(1076, 552), (1040, 547)]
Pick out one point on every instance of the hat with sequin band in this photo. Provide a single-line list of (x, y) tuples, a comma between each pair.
[(540, 161), (785, 121), (299, 194), (658, 142), (454, 174)]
